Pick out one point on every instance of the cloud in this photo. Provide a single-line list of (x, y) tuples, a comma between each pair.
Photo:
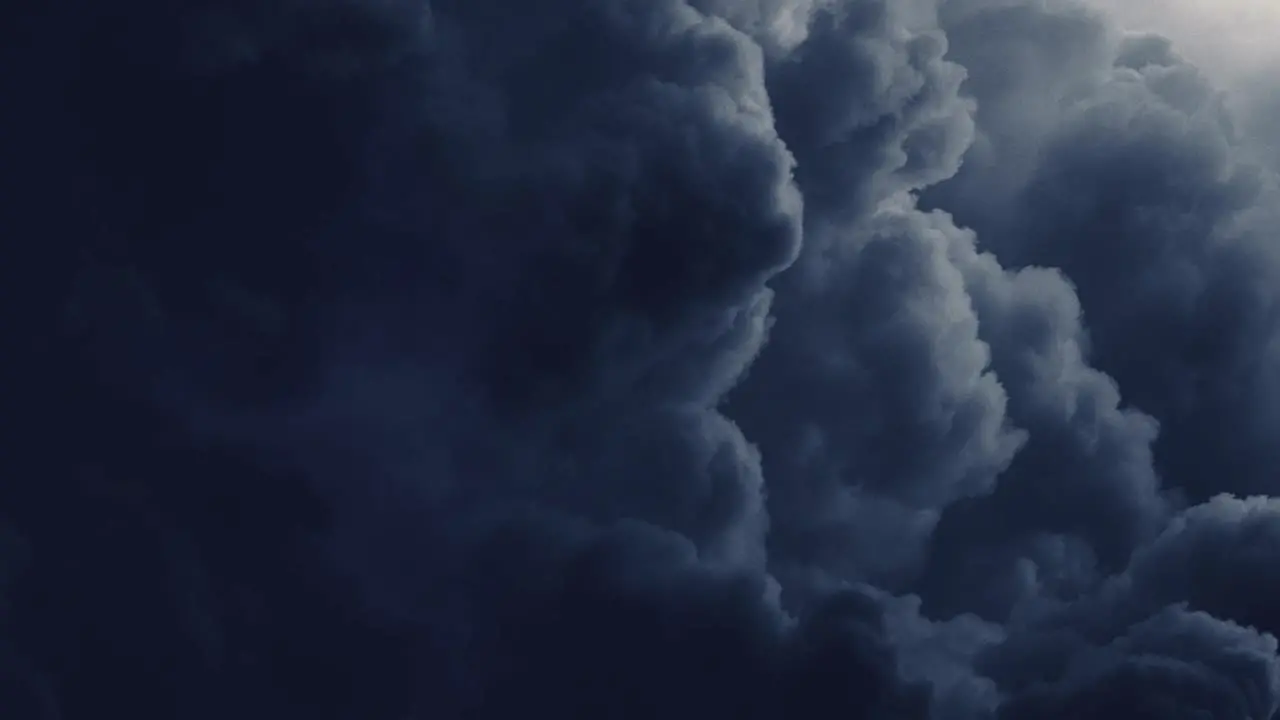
[(1144, 193), (843, 358), (1186, 627), (1174, 664), (1213, 556), (504, 278), (874, 315)]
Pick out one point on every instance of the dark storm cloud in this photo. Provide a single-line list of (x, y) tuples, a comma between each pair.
[(1083, 492), (1216, 557), (891, 327), (1185, 628), (634, 626), (1173, 664), (1138, 185), (907, 370), (869, 106), (507, 287), (874, 353), (597, 357)]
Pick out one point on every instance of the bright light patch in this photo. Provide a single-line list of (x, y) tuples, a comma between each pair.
[(1235, 39)]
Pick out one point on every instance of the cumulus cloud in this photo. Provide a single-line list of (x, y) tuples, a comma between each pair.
[(1172, 664), (1145, 194), (635, 358)]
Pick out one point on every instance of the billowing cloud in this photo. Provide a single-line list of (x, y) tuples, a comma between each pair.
[(1147, 196), (1173, 664), (634, 358)]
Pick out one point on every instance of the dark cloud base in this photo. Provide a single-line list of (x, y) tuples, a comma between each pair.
[(631, 359)]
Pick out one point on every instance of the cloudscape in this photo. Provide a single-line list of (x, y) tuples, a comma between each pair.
[(479, 359)]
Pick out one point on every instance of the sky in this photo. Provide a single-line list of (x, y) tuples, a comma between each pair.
[(475, 359)]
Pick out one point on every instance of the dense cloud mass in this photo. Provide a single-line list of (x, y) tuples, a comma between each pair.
[(392, 359)]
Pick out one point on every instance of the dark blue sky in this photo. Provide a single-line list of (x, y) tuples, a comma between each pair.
[(661, 359)]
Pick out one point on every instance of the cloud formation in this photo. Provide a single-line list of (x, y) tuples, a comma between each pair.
[(634, 358)]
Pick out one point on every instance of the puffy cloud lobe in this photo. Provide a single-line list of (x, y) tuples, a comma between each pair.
[(878, 359), (1174, 664), (1212, 561), (885, 115), (1084, 489), (945, 654), (1215, 556), (1021, 60), (874, 352), (1005, 389)]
